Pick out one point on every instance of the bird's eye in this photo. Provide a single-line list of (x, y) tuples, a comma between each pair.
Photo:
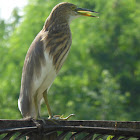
[(73, 7)]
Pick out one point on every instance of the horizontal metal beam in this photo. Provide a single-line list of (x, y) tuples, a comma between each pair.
[(131, 128)]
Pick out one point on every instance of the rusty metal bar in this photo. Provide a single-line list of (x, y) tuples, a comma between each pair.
[(115, 128)]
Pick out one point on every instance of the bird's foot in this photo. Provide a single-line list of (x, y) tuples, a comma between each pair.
[(54, 119), (60, 117), (36, 122), (31, 119)]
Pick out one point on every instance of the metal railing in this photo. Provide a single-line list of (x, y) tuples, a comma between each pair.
[(71, 130)]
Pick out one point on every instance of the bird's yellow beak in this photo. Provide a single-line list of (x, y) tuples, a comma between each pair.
[(86, 12)]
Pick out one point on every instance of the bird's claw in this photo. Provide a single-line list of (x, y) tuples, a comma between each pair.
[(54, 119), (60, 117)]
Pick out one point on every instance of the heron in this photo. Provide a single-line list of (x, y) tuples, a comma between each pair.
[(45, 57)]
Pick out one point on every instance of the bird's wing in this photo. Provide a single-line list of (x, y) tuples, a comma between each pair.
[(32, 67)]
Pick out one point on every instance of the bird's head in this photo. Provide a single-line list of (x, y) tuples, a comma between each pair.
[(68, 11)]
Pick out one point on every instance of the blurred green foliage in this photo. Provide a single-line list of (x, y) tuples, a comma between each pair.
[(101, 76)]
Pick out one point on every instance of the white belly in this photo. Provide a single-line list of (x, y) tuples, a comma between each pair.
[(46, 78)]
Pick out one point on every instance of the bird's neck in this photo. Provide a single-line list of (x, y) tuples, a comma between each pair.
[(56, 24)]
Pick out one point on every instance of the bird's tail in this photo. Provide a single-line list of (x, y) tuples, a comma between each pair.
[(24, 106)]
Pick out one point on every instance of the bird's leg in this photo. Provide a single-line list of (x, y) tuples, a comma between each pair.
[(47, 103), (55, 117), (36, 106)]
